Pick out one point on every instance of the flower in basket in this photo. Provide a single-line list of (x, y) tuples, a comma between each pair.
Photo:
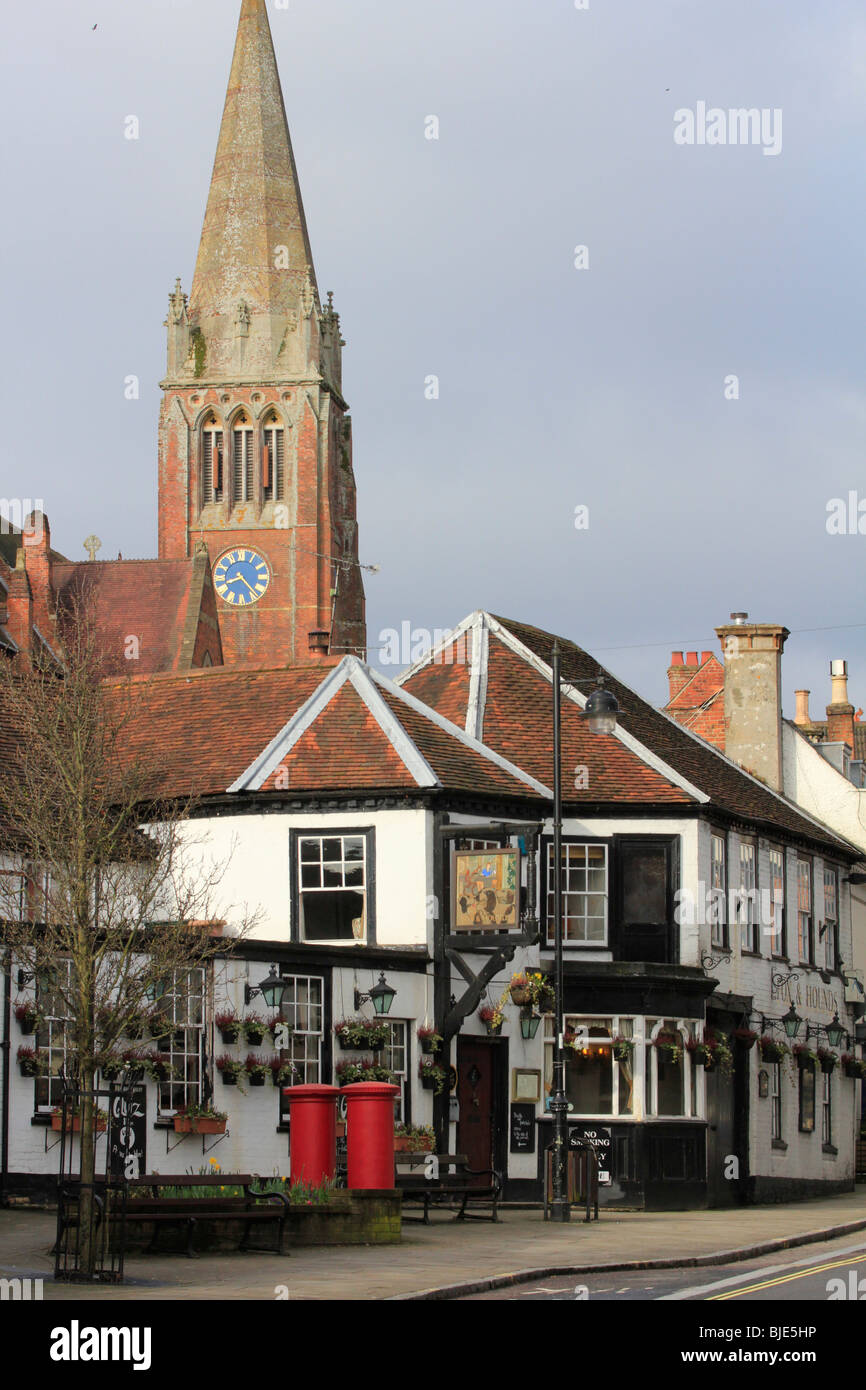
[(519, 988), (349, 1072), (670, 1045), (254, 1027), (430, 1040), (432, 1076), (413, 1138), (853, 1067), (229, 1025), (772, 1049), (806, 1058), (229, 1068), (747, 1037), (156, 1064), (622, 1047), (719, 1050), (282, 1072), (205, 1111), (492, 1016), (256, 1069), (362, 1033), (827, 1058), (32, 1061), (27, 1015)]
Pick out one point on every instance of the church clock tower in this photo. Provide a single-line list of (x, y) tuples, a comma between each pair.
[(255, 442)]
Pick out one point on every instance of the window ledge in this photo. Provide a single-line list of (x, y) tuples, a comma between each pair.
[(779, 1144), (40, 1119), (755, 955), (829, 1149)]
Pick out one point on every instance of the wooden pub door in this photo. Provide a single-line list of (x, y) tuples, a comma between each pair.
[(481, 1128)]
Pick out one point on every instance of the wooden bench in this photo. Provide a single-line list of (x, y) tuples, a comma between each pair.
[(429, 1182), (252, 1208)]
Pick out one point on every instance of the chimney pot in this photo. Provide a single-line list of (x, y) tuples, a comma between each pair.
[(802, 715), (739, 618), (691, 658), (705, 656), (677, 659)]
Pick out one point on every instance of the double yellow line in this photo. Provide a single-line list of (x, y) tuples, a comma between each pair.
[(786, 1278)]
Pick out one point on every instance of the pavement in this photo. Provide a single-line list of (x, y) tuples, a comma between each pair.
[(448, 1258)]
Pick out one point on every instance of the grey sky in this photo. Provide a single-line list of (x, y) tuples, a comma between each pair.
[(455, 257)]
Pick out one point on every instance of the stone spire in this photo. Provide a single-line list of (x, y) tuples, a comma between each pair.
[(254, 284)]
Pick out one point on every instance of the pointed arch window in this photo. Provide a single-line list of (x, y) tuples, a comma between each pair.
[(242, 459), (273, 459), (212, 481)]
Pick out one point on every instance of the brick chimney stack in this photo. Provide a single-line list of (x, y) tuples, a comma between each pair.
[(840, 714), (753, 695)]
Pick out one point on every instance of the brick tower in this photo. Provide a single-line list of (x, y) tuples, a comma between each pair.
[(255, 443)]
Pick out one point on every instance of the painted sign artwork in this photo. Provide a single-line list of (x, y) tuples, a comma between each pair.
[(486, 890)]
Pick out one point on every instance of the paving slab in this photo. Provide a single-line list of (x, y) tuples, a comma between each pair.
[(445, 1258)]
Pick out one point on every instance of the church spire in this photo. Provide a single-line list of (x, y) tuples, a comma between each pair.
[(254, 281)]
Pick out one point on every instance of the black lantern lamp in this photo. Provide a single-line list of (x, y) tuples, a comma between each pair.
[(835, 1031), (791, 1022), (602, 709), (381, 996), (271, 989), (529, 1024)]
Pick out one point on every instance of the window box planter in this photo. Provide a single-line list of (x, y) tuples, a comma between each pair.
[(200, 1124), (405, 1144), (74, 1123)]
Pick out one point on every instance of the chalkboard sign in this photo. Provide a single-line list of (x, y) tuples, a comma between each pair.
[(522, 1129), (127, 1133)]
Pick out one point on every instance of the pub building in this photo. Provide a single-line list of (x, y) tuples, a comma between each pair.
[(401, 835)]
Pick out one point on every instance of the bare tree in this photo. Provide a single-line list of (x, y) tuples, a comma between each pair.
[(119, 896)]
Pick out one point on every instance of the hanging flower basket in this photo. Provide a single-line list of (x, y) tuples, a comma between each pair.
[(430, 1040), (254, 1029), (433, 1077), (229, 1069), (827, 1060), (669, 1046), (745, 1038), (853, 1067), (771, 1049), (700, 1053), (806, 1060), (27, 1017), (361, 1034), (492, 1018), (31, 1062)]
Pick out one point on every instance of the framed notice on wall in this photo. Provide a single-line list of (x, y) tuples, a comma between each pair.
[(486, 894)]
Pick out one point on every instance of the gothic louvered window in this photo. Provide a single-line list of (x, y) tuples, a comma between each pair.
[(273, 461), (212, 462), (242, 460)]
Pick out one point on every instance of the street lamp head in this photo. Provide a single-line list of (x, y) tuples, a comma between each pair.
[(791, 1022), (835, 1031), (602, 709)]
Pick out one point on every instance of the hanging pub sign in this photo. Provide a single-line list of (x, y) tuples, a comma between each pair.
[(486, 895)]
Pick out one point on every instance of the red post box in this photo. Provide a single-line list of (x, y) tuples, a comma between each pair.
[(370, 1134), (313, 1132)]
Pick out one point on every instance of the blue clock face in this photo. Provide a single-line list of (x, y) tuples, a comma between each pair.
[(241, 577)]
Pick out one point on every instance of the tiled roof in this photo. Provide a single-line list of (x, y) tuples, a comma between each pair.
[(145, 600), (335, 727), (517, 718)]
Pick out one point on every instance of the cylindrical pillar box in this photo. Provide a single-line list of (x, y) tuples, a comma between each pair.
[(313, 1132), (370, 1134)]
